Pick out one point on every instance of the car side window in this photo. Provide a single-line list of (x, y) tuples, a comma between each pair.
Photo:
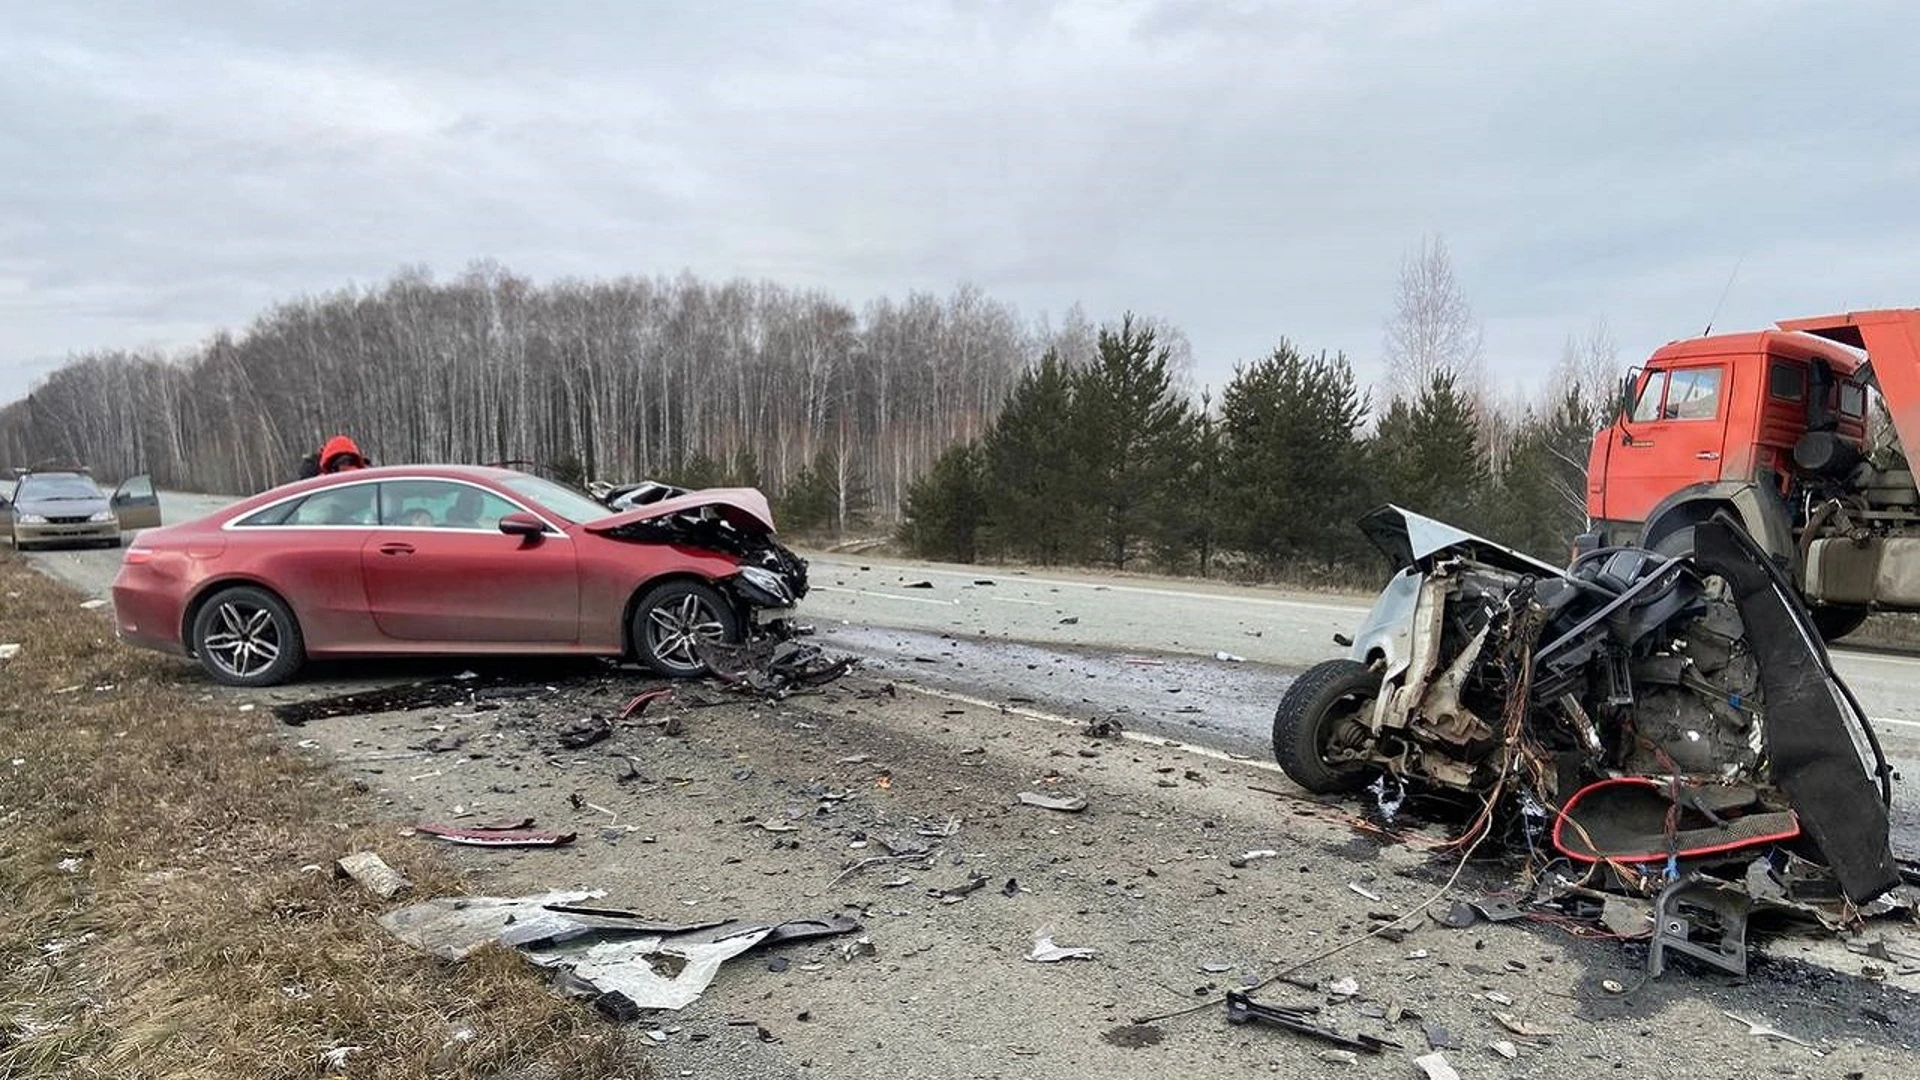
[(441, 504), (1647, 409), (276, 514), (350, 505)]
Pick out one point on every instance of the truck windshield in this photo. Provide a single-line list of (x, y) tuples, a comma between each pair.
[(1648, 407)]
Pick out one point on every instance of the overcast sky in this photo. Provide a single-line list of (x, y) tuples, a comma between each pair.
[(1242, 170)]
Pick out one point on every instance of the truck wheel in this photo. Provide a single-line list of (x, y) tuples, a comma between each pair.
[(1323, 709), (1835, 622)]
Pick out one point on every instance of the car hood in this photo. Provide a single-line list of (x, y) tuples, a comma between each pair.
[(61, 507), (744, 508), (1410, 539)]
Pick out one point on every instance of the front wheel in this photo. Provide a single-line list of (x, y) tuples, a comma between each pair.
[(245, 636), (1322, 713), (673, 620)]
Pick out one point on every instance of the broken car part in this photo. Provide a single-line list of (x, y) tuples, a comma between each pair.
[(1242, 1009), (495, 837)]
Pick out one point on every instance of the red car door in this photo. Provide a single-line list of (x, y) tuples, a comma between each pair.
[(438, 569)]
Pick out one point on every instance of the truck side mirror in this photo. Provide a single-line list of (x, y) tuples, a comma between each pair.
[(1625, 405)]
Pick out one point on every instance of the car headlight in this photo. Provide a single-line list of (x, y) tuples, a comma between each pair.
[(103, 516), (766, 587), (29, 519)]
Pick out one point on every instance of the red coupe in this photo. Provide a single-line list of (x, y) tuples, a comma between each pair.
[(454, 560)]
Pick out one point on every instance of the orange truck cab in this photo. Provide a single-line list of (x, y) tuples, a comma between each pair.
[(1799, 433)]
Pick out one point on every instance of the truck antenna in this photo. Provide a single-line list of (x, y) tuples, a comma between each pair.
[(1715, 317)]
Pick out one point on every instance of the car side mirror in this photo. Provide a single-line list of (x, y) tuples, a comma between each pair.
[(523, 525)]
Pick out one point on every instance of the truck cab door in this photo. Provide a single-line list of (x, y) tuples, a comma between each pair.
[(136, 504), (1672, 438)]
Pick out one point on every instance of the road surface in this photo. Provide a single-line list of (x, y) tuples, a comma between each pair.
[(1199, 661)]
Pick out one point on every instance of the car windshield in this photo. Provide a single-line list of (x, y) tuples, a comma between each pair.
[(58, 489), (561, 500)]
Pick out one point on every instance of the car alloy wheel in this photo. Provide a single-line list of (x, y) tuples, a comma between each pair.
[(676, 628), (244, 640)]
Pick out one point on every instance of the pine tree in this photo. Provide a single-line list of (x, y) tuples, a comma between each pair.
[(1038, 510), (1295, 469), (1542, 504), (1428, 456), (1134, 437), (946, 508)]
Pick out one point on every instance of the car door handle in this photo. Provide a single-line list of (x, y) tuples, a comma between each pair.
[(1707, 455), (396, 549)]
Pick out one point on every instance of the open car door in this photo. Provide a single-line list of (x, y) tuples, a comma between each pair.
[(6, 513), (136, 504)]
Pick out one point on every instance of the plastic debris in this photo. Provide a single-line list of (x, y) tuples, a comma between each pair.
[(1435, 1066), (1046, 952), (9, 650), (1071, 804), (1230, 658), (335, 1059), (95, 605), (1344, 987), (1504, 1048), (1362, 890), (374, 875), (1240, 861), (1522, 1028), (1612, 986), (1765, 1031), (1339, 1057)]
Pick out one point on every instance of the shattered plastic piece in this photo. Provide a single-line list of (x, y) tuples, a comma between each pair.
[(1522, 1028), (1498, 998), (1435, 1066), (1344, 987), (94, 605), (1361, 890), (1240, 861), (1066, 803), (858, 947), (1504, 1048), (1496, 909), (495, 837), (9, 650), (639, 702), (1612, 986), (1765, 1031), (1625, 917), (335, 1059), (615, 1006), (374, 875), (1339, 1057), (1046, 952), (588, 731), (1230, 658), (1719, 939), (1439, 1038), (1459, 916)]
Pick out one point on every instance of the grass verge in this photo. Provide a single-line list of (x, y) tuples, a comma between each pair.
[(170, 903)]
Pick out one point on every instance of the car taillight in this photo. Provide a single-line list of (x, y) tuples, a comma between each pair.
[(138, 555)]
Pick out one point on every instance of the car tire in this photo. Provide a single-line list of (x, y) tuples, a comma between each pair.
[(246, 636), (670, 618), (1326, 703)]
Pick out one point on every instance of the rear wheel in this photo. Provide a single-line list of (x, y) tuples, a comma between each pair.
[(673, 620), (246, 636), (1321, 715)]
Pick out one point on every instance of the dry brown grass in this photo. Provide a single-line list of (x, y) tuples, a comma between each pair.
[(191, 938)]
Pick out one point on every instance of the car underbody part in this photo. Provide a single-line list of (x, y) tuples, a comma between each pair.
[(1701, 918), (1627, 723), (1242, 1009)]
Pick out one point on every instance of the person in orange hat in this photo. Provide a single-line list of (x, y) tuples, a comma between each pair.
[(340, 454)]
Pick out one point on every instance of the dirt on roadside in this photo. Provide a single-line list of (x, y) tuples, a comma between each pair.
[(1151, 877)]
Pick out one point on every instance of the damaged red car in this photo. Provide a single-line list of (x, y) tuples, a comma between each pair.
[(455, 560)]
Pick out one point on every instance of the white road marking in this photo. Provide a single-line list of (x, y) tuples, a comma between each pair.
[(1132, 736), (1142, 590), (1879, 720), (886, 595), (1022, 600)]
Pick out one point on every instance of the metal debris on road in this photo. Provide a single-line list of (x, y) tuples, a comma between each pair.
[(1071, 804), (374, 875), (1435, 1066), (637, 705), (495, 837), (1046, 952), (1242, 1009)]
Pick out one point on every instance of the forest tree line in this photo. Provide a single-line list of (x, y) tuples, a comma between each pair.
[(672, 379), (980, 434)]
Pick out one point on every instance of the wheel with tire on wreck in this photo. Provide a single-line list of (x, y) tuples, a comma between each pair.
[(1323, 713)]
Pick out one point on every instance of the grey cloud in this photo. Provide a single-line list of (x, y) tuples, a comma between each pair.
[(1242, 170)]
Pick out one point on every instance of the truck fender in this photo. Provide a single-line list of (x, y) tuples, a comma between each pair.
[(1758, 507)]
